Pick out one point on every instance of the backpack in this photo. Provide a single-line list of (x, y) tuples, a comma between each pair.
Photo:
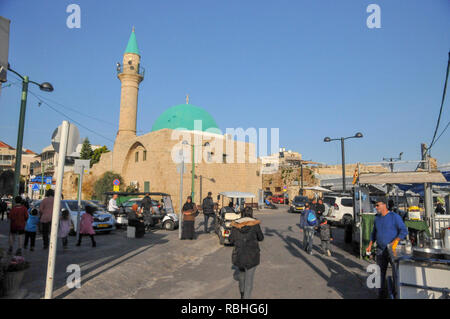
[(311, 219)]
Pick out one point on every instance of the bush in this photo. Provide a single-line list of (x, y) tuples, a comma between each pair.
[(105, 184)]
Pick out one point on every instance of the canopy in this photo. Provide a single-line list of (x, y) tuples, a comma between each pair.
[(318, 189), (402, 178), (237, 195)]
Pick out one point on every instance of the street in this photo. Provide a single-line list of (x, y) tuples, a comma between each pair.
[(161, 266)]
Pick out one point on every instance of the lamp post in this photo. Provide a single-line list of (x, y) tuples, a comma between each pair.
[(47, 87), (342, 139)]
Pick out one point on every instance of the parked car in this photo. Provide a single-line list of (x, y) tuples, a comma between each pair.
[(103, 221), (298, 204), (277, 199), (341, 209)]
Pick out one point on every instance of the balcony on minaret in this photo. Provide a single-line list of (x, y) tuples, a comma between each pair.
[(130, 69)]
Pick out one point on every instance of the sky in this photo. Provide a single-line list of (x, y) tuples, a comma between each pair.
[(310, 68)]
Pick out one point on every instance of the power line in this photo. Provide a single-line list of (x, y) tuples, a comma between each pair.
[(442, 105), (446, 127), (75, 110), (64, 115)]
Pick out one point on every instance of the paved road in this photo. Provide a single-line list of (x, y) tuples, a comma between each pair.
[(161, 266)]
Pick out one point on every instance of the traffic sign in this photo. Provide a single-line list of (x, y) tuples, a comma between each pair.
[(48, 180), (81, 165), (35, 187), (48, 187), (116, 188), (116, 182)]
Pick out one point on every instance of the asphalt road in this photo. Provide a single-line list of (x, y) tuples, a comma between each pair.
[(161, 266)]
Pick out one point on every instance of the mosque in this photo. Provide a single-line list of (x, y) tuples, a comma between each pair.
[(152, 161)]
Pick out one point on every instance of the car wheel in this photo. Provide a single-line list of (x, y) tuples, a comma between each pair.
[(169, 225)]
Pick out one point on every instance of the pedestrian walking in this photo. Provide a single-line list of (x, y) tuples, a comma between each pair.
[(208, 211), (325, 236), (46, 211), (31, 229), (64, 227), (308, 221), (388, 230), (245, 235), (147, 210), (320, 208), (112, 205), (190, 211), (18, 219), (3, 207), (86, 225)]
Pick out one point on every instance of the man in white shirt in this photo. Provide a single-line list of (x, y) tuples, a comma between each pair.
[(112, 205)]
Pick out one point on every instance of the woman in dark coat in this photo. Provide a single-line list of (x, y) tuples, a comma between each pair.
[(245, 235), (189, 213)]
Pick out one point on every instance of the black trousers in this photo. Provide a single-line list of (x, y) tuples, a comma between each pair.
[(92, 239), (29, 236), (2, 213), (46, 228), (383, 261)]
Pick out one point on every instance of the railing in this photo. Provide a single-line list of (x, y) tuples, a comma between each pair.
[(440, 222), (127, 68)]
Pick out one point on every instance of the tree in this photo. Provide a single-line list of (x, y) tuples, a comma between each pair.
[(86, 150), (95, 158), (105, 184)]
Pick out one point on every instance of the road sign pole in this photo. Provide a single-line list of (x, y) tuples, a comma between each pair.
[(56, 209), (80, 184), (181, 199)]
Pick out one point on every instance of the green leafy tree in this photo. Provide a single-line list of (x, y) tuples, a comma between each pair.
[(105, 184), (86, 150), (132, 189), (95, 158)]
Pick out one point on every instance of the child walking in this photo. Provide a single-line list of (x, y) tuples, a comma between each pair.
[(64, 227), (325, 236), (86, 225), (31, 229)]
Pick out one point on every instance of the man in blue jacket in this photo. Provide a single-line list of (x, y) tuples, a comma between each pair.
[(388, 229)]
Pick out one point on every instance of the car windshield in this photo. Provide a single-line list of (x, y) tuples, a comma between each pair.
[(300, 199), (73, 205)]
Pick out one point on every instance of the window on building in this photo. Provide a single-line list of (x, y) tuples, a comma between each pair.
[(277, 189), (144, 156), (224, 158), (136, 157)]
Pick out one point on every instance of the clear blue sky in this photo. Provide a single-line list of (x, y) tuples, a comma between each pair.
[(311, 68)]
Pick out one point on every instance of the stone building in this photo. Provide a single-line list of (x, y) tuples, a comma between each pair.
[(151, 161)]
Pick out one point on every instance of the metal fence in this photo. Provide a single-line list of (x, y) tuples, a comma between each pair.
[(440, 222)]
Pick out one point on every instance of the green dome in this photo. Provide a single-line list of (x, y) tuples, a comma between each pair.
[(183, 116)]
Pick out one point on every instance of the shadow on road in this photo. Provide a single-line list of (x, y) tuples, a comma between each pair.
[(343, 281)]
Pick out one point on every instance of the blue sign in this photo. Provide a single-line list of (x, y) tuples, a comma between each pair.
[(116, 182), (48, 180), (35, 187)]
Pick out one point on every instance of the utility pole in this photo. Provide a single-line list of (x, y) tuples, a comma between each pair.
[(428, 194)]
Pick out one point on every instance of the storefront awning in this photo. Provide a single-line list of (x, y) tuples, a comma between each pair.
[(402, 178)]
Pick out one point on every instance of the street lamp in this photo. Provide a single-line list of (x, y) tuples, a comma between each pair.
[(342, 139), (45, 86)]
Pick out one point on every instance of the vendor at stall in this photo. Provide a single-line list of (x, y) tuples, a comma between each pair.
[(388, 229)]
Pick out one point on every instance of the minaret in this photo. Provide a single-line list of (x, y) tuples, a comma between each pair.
[(130, 74)]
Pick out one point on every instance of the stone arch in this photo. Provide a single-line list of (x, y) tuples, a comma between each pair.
[(130, 157)]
